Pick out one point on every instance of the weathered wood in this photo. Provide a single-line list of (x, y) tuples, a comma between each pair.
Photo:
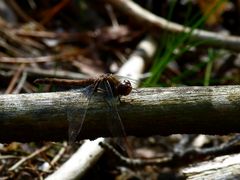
[(147, 111), (220, 168)]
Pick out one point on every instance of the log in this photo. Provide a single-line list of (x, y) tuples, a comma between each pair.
[(222, 167), (145, 112)]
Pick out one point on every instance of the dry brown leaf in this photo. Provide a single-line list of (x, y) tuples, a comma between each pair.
[(207, 5)]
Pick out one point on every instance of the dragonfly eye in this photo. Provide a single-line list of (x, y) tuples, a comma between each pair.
[(124, 88)]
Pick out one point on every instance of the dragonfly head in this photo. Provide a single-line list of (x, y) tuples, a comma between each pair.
[(124, 88)]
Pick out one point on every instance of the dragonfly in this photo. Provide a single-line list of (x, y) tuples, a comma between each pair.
[(107, 84)]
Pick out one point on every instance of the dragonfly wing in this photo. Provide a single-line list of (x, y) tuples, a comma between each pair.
[(115, 124), (75, 117)]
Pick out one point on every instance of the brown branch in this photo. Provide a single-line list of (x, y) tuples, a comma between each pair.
[(41, 59), (155, 23), (47, 73), (152, 111), (14, 79)]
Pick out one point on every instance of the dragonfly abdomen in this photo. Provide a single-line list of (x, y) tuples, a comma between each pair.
[(65, 82)]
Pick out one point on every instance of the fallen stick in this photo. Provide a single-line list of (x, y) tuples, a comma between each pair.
[(145, 112), (144, 18)]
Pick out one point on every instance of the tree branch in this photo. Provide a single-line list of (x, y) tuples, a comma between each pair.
[(155, 23), (145, 112)]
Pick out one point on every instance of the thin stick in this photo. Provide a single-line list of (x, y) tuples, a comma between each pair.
[(14, 79), (155, 23), (204, 110), (24, 159)]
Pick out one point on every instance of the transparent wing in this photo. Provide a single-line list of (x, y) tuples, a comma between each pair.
[(115, 124), (76, 117)]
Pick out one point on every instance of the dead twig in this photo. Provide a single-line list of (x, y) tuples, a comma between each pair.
[(14, 79), (20, 83), (24, 159), (28, 60), (135, 161), (175, 158), (80, 162), (46, 166), (47, 73), (147, 19)]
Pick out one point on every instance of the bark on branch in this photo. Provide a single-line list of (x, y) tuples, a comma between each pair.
[(145, 18), (145, 112)]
